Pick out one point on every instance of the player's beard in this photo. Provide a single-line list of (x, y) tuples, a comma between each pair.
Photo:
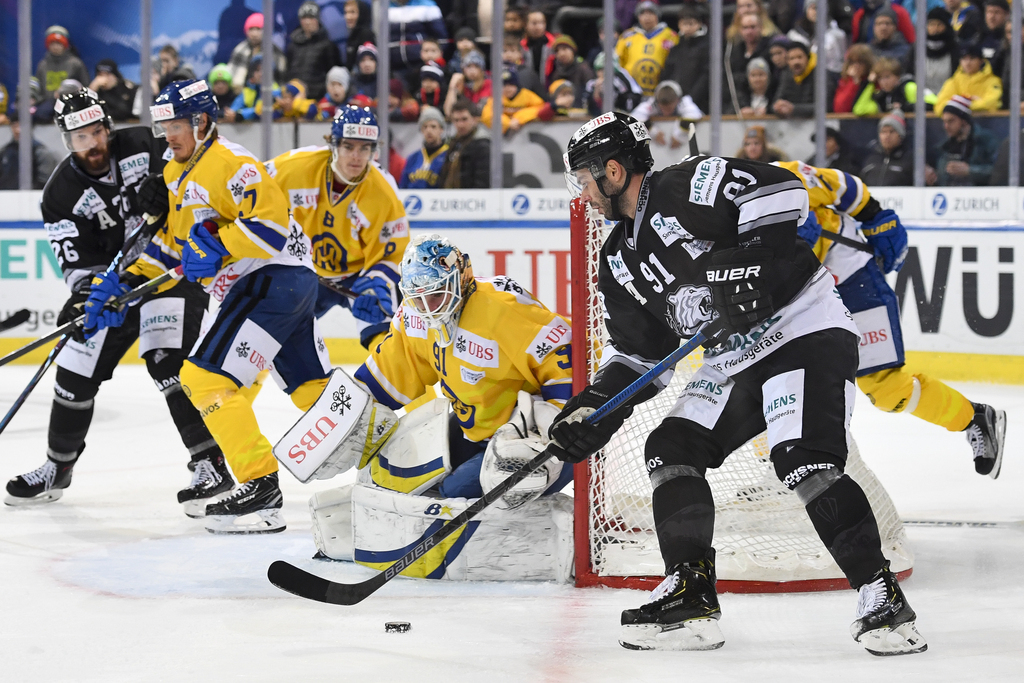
[(96, 161)]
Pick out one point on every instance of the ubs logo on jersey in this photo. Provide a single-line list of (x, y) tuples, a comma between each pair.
[(705, 181), (414, 325), (554, 334), (688, 308), (303, 198), (394, 229), (328, 254), (194, 194), (357, 219), (247, 175), (476, 349)]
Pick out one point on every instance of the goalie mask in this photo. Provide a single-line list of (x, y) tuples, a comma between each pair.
[(437, 279), (610, 136), (351, 162), (74, 115)]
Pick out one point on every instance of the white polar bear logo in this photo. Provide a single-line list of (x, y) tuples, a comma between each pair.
[(689, 307)]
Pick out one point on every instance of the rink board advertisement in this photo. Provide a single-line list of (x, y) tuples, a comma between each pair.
[(958, 289)]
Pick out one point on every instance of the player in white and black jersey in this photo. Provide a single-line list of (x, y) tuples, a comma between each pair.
[(711, 244), (90, 206)]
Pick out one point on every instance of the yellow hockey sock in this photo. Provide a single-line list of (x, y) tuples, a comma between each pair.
[(943, 405), (227, 412), (306, 394)]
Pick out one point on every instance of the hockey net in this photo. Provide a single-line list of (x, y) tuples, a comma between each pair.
[(763, 537)]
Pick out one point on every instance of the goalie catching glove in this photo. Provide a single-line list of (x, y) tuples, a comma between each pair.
[(572, 439), (516, 443)]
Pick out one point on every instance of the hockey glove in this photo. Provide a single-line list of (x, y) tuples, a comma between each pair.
[(201, 254), (888, 237), (73, 308), (572, 439), (151, 195), (105, 286), (741, 295), (810, 230), (373, 305)]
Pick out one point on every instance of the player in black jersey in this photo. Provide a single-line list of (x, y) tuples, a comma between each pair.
[(90, 205), (711, 244)]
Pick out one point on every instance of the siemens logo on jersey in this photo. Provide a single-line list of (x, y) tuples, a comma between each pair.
[(775, 404), (728, 274)]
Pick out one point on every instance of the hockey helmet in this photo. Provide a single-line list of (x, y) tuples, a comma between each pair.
[(353, 123), (184, 100), (437, 278), (610, 136), (77, 110)]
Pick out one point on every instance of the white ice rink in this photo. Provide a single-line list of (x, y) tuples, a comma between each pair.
[(114, 583)]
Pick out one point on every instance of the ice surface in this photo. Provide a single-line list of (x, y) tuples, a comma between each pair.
[(114, 583)]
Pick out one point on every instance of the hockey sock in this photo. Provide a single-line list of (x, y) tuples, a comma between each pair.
[(943, 405), (684, 517), (306, 394), (194, 434), (846, 526), (229, 417), (70, 416)]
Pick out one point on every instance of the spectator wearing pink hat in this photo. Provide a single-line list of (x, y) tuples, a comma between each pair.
[(60, 62), (243, 53)]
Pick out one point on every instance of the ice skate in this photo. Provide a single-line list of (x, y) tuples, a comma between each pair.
[(42, 485), (210, 479), (885, 621), (682, 613), (253, 508), (986, 434)]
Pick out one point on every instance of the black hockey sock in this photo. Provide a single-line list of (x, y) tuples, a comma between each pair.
[(164, 367), (70, 416), (846, 526), (684, 517)]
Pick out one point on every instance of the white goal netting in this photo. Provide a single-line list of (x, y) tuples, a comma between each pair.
[(762, 532)]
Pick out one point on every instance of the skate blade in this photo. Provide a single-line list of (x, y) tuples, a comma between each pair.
[(1000, 440), (196, 509), (261, 522), (42, 499), (885, 642), (695, 634)]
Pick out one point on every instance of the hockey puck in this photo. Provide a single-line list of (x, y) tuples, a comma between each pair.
[(397, 626)]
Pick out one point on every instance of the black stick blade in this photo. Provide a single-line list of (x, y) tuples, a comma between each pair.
[(291, 579), (15, 319)]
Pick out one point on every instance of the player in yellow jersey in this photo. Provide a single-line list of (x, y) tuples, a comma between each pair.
[(503, 360), (841, 203), (643, 49), (352, 216), (228, 227)]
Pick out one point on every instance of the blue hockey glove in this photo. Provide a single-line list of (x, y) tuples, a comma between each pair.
[(201, 254), (809, 230), (105, 286), (373, 305), (888, 237)]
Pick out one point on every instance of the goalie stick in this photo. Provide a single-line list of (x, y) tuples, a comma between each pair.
[(139, 238), (15, 319), (299, 582)]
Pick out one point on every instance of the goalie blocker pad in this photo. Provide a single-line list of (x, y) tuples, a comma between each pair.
[(345, 427), (375, 527)]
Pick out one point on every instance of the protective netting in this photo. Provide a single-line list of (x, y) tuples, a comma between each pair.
[(762, 532)]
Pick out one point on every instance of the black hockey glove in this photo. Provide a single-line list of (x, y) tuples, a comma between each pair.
[(572, 439), (151, 195), (741, 295), (72, 309)]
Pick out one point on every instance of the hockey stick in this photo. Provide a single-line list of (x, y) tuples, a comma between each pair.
[(846, 241), (346, 292), (141, 290), (15, 319), (299, 582), (133, 241)]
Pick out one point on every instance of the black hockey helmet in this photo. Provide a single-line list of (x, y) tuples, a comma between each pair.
[(610, 136), (77, 110)]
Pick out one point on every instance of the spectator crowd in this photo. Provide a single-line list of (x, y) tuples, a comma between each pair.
[(441, 77)]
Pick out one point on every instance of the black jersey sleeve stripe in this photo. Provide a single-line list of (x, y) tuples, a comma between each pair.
[(771, 219), (768, 190)]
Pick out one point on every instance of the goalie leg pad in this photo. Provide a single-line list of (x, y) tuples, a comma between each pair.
[(417, 455), (343, 428), (532, 543), (331, 514)]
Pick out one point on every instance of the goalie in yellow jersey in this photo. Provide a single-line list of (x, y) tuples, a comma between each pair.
[(503, 362), (228, 228), (353, 218), (841, 203)]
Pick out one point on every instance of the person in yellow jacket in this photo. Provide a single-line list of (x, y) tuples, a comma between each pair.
[(643, 49), (841, 203), (292, 104), (353, 217), (229, 229), (973, 80), (520, 105)]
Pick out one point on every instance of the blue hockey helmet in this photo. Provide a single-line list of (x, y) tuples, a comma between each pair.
[(184, 100), (437, 278), (356, 124)]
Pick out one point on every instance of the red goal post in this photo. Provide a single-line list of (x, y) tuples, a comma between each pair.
[(764, 541)]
